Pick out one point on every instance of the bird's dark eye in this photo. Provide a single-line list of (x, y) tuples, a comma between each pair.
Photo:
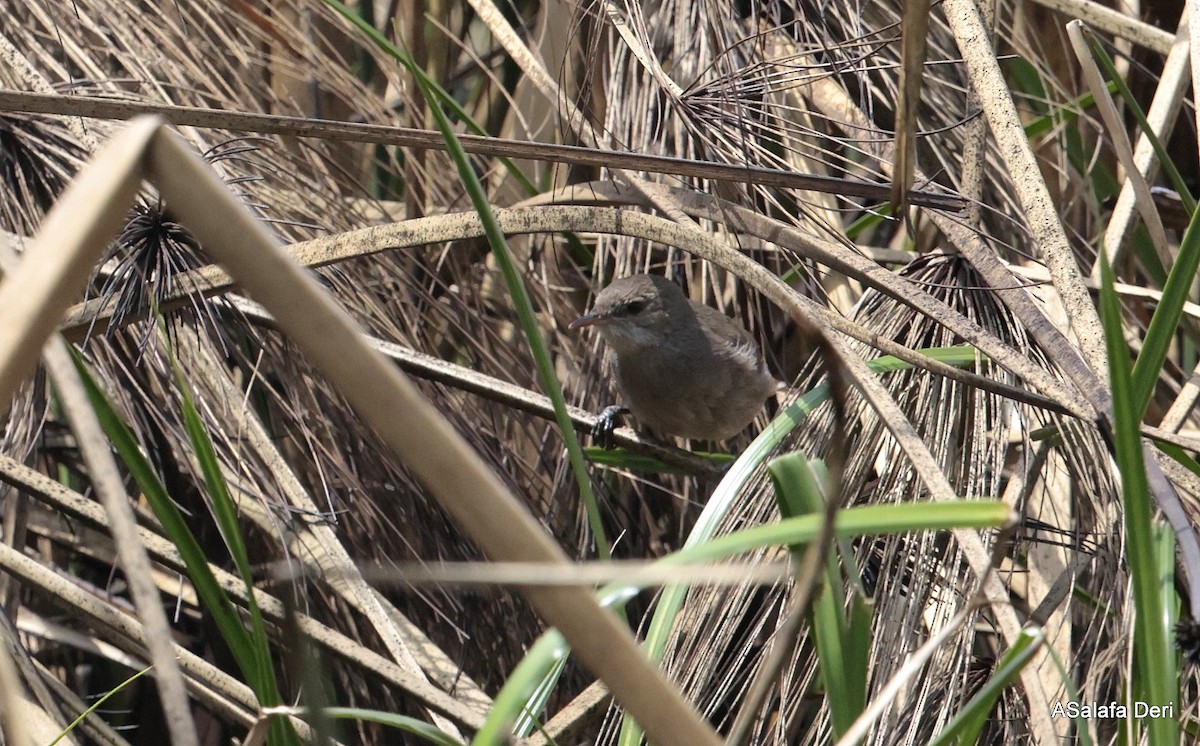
[(634, 307)]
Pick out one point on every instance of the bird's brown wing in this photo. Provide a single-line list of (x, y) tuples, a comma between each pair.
[(724, 330)]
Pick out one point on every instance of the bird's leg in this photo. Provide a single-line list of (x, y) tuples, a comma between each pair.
[(606, 422)]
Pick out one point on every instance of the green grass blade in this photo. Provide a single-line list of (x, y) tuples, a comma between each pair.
[(724, 496), (443, 97), (225, 513), (251, 651), (965, 726), (419, 728), (1181, 456), (842, 640), (1135, 108), (1165, 322), (871, 217), (797, 491), (1082, 736), (622, 458), (1060, 115), (210, 593), (1154, 677), (512, 277), (860, 521), (866, 520), (521, 698), (98, 704)]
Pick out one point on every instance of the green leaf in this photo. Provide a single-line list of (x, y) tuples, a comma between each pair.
[(435, 97), (1155, 676), (843, 641), (98, 704), (420, 728), (226, 515), (1160, 333), (965, 726), (550, 649), (621, 458), (1115, 81), (175, 526), (251, 653)]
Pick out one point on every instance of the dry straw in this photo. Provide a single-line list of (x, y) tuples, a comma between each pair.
[(52, 275)]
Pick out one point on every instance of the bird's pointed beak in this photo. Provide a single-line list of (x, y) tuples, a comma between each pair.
[(587, 320)]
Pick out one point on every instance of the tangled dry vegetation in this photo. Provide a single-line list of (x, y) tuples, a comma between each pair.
[(174, 420)]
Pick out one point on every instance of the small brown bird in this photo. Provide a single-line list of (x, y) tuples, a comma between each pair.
[(681, 367)]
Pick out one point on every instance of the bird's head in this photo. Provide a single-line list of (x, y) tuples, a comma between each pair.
[(636, 311)]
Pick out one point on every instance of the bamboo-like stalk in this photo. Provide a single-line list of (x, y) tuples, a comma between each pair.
[(391, 405), (431, 139), (1042, 216), (33, 295), (162, 551)]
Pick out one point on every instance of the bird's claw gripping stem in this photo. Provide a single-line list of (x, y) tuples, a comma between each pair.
[(606, 422)]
